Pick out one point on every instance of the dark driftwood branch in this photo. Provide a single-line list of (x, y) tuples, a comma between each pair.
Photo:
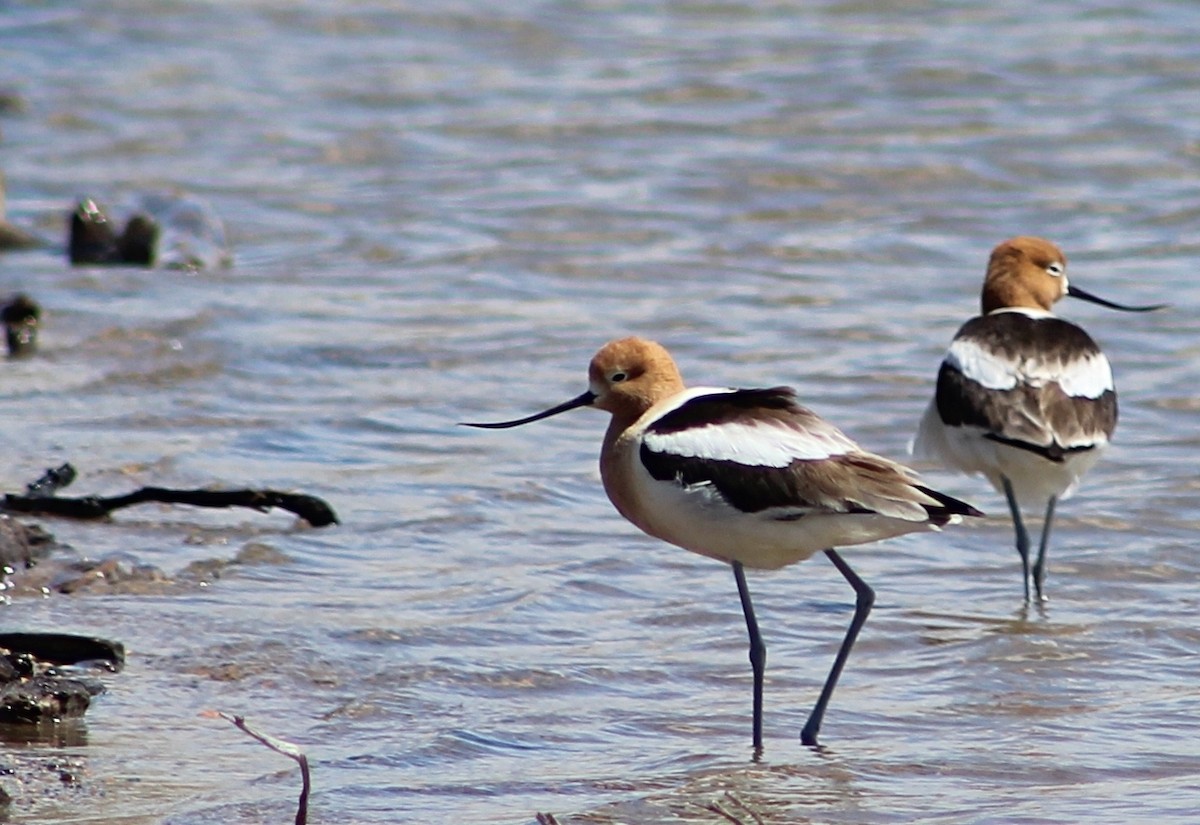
[(42, 501), (313, 510)]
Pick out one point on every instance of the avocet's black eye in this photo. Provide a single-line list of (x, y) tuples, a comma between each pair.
[(617, 377), (1055, 268)]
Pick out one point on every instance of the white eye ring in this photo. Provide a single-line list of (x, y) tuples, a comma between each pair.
[(1055, 269), (617, 377)]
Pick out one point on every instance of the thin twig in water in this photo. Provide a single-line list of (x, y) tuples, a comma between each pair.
[(279, 746), (718, 808)]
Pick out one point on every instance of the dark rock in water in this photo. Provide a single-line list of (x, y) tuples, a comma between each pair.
[(21, 316), (65, 648), (22, 544), (47, 697), (117, 573), (165, 230), (33, 564), (93, 239), (136, 244), (34, 688), (51, 481)]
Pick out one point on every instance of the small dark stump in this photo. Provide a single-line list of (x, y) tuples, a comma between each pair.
[(167, 230), (94, 240), (21, 316)]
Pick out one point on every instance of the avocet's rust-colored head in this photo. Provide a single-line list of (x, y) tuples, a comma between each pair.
[(1031, 273), (1025, 272), (626, 377), (630, 375)]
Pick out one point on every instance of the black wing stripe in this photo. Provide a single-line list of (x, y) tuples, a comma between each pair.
[(750, 489), (723, 407)]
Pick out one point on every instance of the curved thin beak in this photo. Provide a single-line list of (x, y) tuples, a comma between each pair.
[(1076, 292), (584, 400)]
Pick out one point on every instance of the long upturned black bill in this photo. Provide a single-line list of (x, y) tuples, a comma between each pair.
[(1076, 292), (584, 400)]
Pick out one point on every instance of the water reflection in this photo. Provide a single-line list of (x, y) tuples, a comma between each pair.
[(67, 733)]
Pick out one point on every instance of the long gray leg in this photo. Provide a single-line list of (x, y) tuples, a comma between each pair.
[(862, 607), (1022, 533), (1039, 567), (758, 651)]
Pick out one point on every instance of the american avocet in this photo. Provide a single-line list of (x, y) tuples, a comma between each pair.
[(747, 477), (1023, 397)]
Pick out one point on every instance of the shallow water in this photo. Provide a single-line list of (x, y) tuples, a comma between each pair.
[(437, 214)]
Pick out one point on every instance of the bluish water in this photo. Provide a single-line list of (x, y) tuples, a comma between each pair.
[(438, 212)]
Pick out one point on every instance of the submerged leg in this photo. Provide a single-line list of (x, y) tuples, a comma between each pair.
[(862, 607), (1039, 567), (758, 651), (1022, 533)]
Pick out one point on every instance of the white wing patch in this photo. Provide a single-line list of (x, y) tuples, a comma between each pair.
[(982, 365), (753, 442), (1087, 377)]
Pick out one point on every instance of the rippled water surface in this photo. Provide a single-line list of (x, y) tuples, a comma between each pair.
[(438, 212)]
